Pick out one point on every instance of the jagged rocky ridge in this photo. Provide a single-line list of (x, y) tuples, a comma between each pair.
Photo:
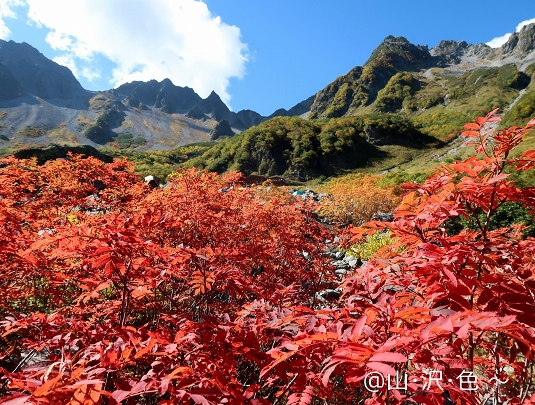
[(360, 87), (41, 102), (172, 99)]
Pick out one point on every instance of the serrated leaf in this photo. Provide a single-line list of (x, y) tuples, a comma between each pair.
[(391, 357)]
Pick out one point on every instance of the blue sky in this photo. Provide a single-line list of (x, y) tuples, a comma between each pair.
[(259, 55)]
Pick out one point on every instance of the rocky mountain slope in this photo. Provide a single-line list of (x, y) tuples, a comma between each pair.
[(37, 75), (407, 103), (436, 91), (402, 77), (41, 102)]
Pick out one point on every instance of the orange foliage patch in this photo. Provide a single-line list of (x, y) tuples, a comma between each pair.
[(355, 199)]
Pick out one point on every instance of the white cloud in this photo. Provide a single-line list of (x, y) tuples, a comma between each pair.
[(90, 74), (147, 39), (6, 10), (68, 60), (4, 31), (499, 41), (523, 23)]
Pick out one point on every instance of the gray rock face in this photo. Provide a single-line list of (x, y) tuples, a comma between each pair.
[(221, 129), (344, 265), (245, 119), (163, 95), (519, 47), (10, 88), (36, 92), (298, 109), (520, 44), (38, 75), (480, 50), (383, 216), (173, 99), (450, 51), (211, 107)]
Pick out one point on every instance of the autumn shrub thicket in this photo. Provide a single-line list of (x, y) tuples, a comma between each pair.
[(450, 312), (355, 199), (133, 293), (202, 293)]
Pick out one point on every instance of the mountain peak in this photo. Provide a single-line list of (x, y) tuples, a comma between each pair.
[(163, 95), (38, 75), (449, 51), (395, 40), (167, 82), (214, 97), (400, 54), (448, 46)]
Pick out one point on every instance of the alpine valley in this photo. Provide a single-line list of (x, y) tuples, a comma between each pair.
[(405, 106)]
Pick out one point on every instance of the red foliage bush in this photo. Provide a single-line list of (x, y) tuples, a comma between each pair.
[(448, 306), (203, 292), (135, 293)]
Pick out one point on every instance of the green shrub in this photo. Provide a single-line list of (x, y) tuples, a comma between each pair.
[(400, 177), (397, 93), (522, 111), (367, 249), (506, 215)]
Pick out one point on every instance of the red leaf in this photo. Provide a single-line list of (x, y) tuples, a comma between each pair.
[(356, 330), (85, 382), (119, 395), (146, 349), (382, 368), (259, 401), (392, 357), (327, 374), (101, 250), (102, 260), (462, 332), (252, 390), (304, 398), (45, 388), (450, 276), (472, 125), (198, 399), (18, 399), (470, 134), (490, 114)]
